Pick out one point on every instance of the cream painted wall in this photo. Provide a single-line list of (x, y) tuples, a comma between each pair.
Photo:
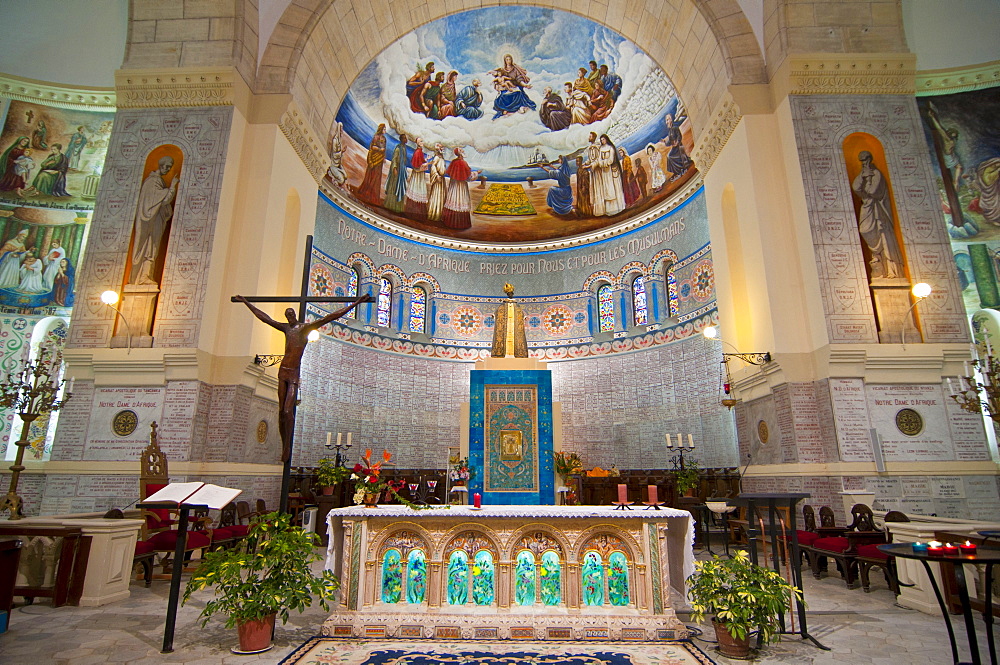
[(952, 34)]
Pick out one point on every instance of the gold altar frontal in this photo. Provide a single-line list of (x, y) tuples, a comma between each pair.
[(509, 572)]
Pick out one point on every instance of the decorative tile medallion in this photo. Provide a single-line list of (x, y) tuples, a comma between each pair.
[(342, 631), (411, 631), (374, 632), (634, 634), (486, 633), (596, 634), (560, 633), (447, 632), (523, 633)]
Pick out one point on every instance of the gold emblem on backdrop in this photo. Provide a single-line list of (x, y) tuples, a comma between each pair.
[(124, 422), (762, 432), (511, 445), (909, 422), (262, 431)]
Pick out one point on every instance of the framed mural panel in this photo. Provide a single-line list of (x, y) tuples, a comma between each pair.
[(512, 458), (546, 127)]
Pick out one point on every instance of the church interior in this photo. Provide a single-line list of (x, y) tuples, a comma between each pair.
[(533, 313)]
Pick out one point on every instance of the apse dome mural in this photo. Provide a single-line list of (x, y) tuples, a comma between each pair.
[(510, 124)]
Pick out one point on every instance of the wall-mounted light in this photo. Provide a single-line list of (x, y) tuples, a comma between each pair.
[(711, 332), (920, 291), (110, 298)]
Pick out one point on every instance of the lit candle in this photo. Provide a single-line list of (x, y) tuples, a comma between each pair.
[(968, 547), (652, 494), (951, 390), (950, 548), (477, 500), (670, 442), (691, 441), (328, 435), (623, 494), (934, 548), (339, 434), (413, 487), (72, 380), (432, 484), (349, 439), (920, 548), (680, 441)]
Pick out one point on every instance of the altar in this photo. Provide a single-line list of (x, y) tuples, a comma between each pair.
[(509, 572)]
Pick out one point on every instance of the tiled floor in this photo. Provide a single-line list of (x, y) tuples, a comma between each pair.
[(859, 628)]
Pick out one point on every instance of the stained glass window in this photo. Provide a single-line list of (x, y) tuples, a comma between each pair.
[(639, 300), (416, 582), (524, 575), (392, 577), (606, 308), (618, 579), (352, 290), (418, 309), (672, 299), (384, 305), (482, 579), (458, 578), (593, 579), (550, 574)]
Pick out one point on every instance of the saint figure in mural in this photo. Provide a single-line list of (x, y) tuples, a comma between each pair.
[(11, 255), (611, 82), (31, 275), (416, 184), (560, 197), (62, 284), (75, 146), (436, 184), (458, 203), (152, 214), (448, 96), (678, 161), (949, 143), (469, 100), (38, 136), (578, 105), (986, 179), (415, 86), (592, 163), (395, 183), (655, 168), (583, 208), (606, 183), (10, 178), (641, 179), (629, 183), (336, 172), (51, 260), (370, 190), (510, 81), (875, 220), (509, 338), (554, 113), (51, 179), (296, 337)]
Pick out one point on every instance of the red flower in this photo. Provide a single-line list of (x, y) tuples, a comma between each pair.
[(373, 479), (357, 468)]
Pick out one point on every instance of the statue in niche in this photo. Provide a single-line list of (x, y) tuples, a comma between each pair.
[(152, 215), (875, 220), (508, 329)]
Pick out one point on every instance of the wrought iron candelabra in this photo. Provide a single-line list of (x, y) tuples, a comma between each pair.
[(33, 392), (976, 397)]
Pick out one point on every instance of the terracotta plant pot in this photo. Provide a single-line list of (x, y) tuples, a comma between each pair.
[(256, 635), (328, 490), (371, 499), (689, 492), (729, 646)]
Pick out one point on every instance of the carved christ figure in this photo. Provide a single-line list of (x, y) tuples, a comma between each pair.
[(508, 331), (296, 336)]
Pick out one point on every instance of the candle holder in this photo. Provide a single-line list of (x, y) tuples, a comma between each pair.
[(33, 392), (339, 459), (976, 397), (423, 492)]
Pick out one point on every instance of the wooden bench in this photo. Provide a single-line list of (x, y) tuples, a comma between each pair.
[(64, 548)]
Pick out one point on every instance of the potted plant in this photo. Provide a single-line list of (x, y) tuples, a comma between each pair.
[(365, 474), (566, 464), (687, 478), (742, 597), (461, 472), (329, 474), (267, 574)]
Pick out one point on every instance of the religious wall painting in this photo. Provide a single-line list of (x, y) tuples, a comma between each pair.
[(153, 215), (40, 250), (963, 140), (52, 157), (549, 127), (511, 455)]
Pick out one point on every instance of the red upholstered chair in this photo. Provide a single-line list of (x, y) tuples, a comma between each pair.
[(869, 556), (153, 477), (844, 548)]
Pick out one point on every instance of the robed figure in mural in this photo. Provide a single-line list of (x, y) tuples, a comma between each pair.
[(51, 179), (395, 183), (510, 81), (458, 202), (560, 197), (296, 337), (508, 329), (875, 220), (152, 214), (370, 190)]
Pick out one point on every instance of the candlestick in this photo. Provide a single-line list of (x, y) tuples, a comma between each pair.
[(652, 493), (680, 440), (72, 380), (339, 434), (328, 435), (968, 547), (623, 493), (691, 441), (670, 442), (477, 500), (349, 439)]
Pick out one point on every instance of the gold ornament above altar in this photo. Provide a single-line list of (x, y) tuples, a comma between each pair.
[(508, 329)]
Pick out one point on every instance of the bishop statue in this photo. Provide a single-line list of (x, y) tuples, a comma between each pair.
[(508, 331)]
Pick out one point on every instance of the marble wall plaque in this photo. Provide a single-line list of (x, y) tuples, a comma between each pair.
[(102, 442), (933, 442), (851, 419)]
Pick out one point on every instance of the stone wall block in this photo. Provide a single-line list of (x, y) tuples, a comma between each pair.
[(209, 8), (156, 9), (153, 55), (182, 30), (206, 54), (222, 28)]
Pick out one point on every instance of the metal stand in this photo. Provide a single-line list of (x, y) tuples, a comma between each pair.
[(773, 501)]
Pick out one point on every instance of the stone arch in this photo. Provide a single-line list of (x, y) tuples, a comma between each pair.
[(703, 45), (635, 555), (450, 540), (516, 544), (420, 537)]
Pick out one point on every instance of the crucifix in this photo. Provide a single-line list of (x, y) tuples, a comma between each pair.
[(296, 331)]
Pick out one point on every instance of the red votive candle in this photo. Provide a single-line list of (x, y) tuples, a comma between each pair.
[(968, 547), (623, 494), (652, 493), (950, 548), (934, 548), (477, 500)]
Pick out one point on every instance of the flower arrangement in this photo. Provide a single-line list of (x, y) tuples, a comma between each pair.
[(365, 475), (566, 464), (461, 470)]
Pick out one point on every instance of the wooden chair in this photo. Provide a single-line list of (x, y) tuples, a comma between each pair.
[(844, 548), (869, 556)]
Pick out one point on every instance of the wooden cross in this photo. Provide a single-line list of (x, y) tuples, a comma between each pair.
[(296, 330)]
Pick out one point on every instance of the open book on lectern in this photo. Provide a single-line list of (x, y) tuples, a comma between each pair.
[(196, 494)]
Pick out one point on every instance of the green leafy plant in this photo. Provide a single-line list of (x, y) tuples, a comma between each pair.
[(328, 474), (741, 595), (267, 573), (688, 477), (566, 464)]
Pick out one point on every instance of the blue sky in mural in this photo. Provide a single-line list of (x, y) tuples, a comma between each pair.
[(550, 46)]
